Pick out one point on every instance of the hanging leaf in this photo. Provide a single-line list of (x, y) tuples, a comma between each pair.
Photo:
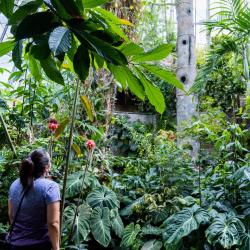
[(35, 24), (113, 22), (153, 93), (70, 7), (183, 223), (40, 52), (165, 75), (225, 230), (100, 225), (152, 245), (104, 49), (94, 3), (24, 10), (116, 222), (159, 53), (127, 79), (6, 47), (61, 128), (103, 197), (129, 236), (77, 149), (60, 9), (51, 70), (82, 62), (131, 49), (60, 40), (35, 68), (88, 108), (6, 7), (17, 54), (81, 227)]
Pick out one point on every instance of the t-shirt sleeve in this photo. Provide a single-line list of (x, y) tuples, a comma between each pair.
[(52, 193)]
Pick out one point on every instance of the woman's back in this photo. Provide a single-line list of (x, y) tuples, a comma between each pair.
[(31, 224)]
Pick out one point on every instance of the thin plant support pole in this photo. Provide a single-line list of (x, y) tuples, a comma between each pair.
[(70, 141), (80, 197), (8, 135)]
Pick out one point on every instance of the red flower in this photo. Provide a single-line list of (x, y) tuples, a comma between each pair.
[(53, 125), (90, 144)]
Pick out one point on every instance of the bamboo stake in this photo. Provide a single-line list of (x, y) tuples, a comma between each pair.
[(70, 141)]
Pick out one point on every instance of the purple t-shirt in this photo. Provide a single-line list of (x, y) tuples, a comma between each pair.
[(31, 224)]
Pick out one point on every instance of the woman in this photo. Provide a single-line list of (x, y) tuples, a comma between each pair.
[(37, 223)]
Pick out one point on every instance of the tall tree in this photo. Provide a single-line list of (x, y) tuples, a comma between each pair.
[(186, 70)]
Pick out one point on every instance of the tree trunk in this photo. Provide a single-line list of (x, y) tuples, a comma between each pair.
[(186, 71)]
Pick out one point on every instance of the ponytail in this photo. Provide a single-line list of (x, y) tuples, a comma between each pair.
[(26, 172)]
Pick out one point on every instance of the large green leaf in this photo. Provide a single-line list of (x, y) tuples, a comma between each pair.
[(51, 70), (100, 225), (60, 40), (6, 7), (60, 9), (70, 6), (131, 49), (82, 62), (75, 183), (152, 245), (116, 222), (24, 10), (35, 68), (159, 53), (103, 197), (81, 227), (17, 54), (129, 236), (113, 22), (164, 74), (35, 24), (153, 93), (226, 230), (94, 3), (183, 223), (103, 49), (6, 47), (127, 79), (151, 230)]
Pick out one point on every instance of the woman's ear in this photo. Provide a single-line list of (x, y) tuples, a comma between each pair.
[(47, 169)]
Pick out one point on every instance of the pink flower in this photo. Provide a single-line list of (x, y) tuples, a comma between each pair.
[(90, 144), (53, 125)]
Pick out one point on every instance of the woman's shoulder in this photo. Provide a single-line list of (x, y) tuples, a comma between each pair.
[(15, 183), (47, 183)]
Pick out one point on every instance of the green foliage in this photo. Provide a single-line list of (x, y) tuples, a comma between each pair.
[(182, 224), (225, 230)]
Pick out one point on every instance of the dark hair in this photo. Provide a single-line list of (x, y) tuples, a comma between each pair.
[(33, 166)]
